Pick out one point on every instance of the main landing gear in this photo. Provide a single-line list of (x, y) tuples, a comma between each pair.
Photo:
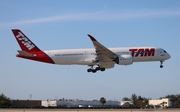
[(96, 69), (161, 66)]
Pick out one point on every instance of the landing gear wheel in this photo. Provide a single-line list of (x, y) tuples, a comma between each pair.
[(94, 71), (89, 70), (103, 69)]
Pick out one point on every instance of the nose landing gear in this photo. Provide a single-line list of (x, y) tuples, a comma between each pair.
[(161, 66)]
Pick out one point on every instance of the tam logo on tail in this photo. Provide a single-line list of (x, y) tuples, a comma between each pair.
[(25, 41), (28, 49)]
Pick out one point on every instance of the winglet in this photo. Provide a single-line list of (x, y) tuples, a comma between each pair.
[(92, 38)]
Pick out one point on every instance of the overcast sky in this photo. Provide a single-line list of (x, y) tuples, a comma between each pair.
[(64, 24)]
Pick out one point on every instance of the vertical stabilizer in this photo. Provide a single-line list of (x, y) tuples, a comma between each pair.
[(24, 42)]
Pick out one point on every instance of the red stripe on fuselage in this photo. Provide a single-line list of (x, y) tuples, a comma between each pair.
[(38, 56)]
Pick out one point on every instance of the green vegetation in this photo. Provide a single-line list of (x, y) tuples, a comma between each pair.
[(4, 101), (134, 101), (142, 102), (126, 99), (102, 101), (175, 99), (137, 101)]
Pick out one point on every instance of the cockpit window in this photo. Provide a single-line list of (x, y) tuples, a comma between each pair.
[(165, 51)]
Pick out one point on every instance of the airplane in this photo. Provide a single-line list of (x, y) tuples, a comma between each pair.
[(100, 56)]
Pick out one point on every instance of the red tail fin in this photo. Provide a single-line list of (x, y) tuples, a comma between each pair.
[(24, 42)]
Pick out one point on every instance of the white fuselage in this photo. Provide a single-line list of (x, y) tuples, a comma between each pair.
[(85, 56)]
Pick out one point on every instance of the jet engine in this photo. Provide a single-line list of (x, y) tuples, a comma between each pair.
[(124, 60)]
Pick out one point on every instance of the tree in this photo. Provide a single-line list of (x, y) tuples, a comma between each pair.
[(146, 101), (102, 101), (173, 98), (176, 104), (140, 98), (140, 103), (4, 101), (163, 104), (134, 99), (178, 95), (126, 99)]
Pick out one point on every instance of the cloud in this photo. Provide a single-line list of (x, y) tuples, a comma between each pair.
[(102, 15)]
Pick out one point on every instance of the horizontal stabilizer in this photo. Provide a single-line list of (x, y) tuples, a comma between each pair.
[(24, 53)]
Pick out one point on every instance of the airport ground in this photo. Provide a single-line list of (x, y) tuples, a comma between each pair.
[(89, 110)]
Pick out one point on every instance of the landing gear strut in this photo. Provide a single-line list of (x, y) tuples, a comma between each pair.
[(161, 66), (96, 69)]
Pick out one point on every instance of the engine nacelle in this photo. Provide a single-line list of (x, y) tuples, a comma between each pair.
[(124, 60)]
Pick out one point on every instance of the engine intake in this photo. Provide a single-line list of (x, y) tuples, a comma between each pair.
[(124, 60)]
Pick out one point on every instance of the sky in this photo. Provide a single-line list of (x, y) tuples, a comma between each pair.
[(64, 24)]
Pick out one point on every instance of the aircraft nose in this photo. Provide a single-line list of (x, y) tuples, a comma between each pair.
[(168, 56)]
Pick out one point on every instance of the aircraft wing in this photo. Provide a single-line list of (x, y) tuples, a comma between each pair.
[(103, 54)]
